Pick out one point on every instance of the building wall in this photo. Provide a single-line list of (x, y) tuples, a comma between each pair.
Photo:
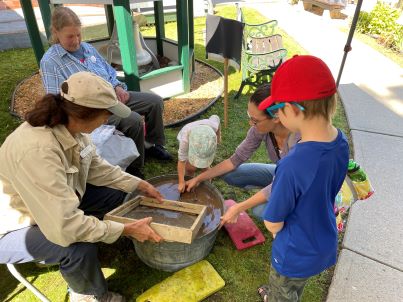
[(14, 4)]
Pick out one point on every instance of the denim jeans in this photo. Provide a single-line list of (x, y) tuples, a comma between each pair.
[(252, 176), (79, 264), (150, 106)]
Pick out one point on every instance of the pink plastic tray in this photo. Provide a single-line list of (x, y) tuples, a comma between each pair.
[(244, 233)]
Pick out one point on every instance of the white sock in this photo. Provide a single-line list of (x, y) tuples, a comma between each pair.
[(148, 145)]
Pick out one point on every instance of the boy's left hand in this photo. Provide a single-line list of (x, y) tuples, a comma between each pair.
[(230, 216)]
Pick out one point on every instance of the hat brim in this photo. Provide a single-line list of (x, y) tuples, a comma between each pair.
[(266, 103), (201, 163), (120, 110)]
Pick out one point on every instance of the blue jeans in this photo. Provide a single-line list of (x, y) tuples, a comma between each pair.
[(252, 176), (79, 264)]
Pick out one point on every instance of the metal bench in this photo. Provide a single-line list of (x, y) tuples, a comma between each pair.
[(262, 53)]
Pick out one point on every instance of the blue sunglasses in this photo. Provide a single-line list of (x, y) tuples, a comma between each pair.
[(272, 110)]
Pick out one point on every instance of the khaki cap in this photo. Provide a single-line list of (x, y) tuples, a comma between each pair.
[(89, 90)]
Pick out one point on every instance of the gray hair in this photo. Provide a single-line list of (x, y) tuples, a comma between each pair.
[(62, 17)]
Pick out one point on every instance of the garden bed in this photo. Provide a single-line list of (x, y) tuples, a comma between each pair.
[(206, 88)]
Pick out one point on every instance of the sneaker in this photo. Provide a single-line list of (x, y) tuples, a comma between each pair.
[(107, 297), (158, 152)]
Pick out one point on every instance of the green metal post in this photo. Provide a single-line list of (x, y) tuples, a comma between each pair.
[(124, 26), (110, 21), (191, 33), (191, 24), (33, 29), (159, 25), (46, 16), (183, 41)]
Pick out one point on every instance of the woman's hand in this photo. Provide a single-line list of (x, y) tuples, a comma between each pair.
[(141, 230), (231, 215), (191, 184), (149, 190), (122, 94)]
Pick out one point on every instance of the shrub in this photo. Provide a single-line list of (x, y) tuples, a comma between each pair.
[(381, 21), (364, 20)]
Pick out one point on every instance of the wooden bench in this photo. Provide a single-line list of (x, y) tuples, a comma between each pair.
[(318, 6)]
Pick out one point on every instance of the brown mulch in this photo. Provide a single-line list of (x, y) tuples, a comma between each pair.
[(205, 86), (27, 94)]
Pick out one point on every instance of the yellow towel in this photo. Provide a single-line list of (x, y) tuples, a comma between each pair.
[(191, 284)]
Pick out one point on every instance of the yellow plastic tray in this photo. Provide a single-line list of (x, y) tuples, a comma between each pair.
[(191, 284)]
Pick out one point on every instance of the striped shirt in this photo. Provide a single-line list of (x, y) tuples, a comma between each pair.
[(57, 65)]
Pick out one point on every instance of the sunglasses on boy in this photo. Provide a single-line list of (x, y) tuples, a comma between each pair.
[(273, 110)]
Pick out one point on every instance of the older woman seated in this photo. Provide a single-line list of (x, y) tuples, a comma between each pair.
[(69, 55)]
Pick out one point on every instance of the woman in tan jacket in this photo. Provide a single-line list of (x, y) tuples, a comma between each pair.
[(55, 189)]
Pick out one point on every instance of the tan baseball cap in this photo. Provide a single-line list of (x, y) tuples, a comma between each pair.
[(89, 90)]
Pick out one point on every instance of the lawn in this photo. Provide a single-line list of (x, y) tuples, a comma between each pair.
[(243, 271)]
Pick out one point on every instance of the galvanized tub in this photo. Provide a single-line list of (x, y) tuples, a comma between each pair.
[(172, 256)]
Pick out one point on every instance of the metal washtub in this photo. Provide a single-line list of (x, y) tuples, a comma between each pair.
[(172, 256)]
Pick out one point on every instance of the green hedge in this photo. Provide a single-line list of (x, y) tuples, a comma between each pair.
[(381, 21)]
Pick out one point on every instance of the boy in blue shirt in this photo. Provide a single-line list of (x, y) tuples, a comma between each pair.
[(300, 211)]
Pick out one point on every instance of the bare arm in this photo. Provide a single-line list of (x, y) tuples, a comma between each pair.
[(274, 227), (220, 169), (219, 135), (181, 176), (231, 216)]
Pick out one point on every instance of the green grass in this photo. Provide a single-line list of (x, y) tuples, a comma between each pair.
[(243, 271), (15, 65)]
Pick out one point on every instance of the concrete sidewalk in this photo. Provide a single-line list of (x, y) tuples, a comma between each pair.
[(370, 266)]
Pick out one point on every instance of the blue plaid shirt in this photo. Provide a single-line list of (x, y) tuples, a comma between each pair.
[(58, 64)]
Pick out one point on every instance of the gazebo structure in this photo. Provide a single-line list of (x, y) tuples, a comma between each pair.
[(167, 81)]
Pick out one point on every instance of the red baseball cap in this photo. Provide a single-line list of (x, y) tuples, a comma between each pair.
[(301, 78)]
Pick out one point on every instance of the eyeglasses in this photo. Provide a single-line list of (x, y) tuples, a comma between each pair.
[(273, 110), (254, 121)]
